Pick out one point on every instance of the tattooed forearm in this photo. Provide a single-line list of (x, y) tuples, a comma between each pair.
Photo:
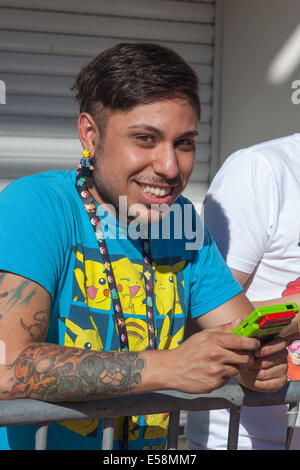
[(37, 330), (57, 373)]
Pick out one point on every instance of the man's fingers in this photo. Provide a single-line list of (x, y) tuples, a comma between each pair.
[(225, 348), (272, 347), (271, 385), (270, 361), (234, 342), (271, 379), (243, 358), (222, 336), (228, 327), (230, 371), (272, 373)]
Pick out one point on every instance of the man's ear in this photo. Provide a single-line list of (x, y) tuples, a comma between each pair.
[(88, 132)]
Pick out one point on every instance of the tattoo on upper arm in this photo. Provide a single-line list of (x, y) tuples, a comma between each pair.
[(57, 373), (20, 294), (38, 329), (28, 298), (16, 294)]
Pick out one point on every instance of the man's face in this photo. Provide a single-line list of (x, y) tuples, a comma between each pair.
[(147, 155)]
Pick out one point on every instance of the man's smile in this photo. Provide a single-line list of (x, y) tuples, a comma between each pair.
[(153, 193), (155, 190)]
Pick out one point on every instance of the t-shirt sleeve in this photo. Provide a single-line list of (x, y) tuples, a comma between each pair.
[(32, 238), (239, 208), (212, 282)]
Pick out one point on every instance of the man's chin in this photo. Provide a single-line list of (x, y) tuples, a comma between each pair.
[(149, 215)]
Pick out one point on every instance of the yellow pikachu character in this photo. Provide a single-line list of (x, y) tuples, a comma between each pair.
[(157, 426), (137, 331), (167, 340), (85, 339), (130, 285), (166, 289), (93, 283)]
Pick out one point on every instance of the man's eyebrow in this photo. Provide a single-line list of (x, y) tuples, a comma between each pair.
[(147, 128), (189, 134), (161, 133)]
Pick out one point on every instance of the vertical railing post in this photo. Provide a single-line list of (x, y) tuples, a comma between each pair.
[(41, 435), (233, 428), (108, 433), (173, 430), (292, 418)]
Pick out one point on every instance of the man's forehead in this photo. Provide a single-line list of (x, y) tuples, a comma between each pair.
[(155, 115)]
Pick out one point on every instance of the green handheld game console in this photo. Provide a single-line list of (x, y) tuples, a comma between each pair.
[(267, 322)]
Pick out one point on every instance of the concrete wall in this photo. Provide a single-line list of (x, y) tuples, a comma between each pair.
[(256, 97)]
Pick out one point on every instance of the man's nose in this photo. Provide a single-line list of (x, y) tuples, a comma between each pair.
[(165, 162)]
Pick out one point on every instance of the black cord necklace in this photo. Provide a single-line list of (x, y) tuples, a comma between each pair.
[(119, 319)]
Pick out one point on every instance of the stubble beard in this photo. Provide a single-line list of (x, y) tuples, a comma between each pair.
[(108, 198), (106, 195)]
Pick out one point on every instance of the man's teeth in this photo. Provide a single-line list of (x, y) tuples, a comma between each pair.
[(155, 190)]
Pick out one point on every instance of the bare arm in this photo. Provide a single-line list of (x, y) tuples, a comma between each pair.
[(291, 330), (57, 373), (242, 278), (49, 372), (237, 308), (35, 369)]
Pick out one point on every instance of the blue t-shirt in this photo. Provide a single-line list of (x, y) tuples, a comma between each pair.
[(46, 236)]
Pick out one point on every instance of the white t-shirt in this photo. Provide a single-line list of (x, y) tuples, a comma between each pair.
[(252, 209)]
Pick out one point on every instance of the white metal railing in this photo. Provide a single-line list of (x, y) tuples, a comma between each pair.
[(29, 411)]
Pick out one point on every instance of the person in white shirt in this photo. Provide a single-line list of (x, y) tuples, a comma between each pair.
[(252, 211)]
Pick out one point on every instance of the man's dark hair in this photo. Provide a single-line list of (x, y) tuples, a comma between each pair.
[(127, 75)]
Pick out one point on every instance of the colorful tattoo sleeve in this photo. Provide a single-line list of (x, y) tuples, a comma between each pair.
[(55, 373)]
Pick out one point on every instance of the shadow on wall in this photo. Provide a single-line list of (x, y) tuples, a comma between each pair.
[(217, 223)]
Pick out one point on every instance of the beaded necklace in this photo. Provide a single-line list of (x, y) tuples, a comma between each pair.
[(119, 319)]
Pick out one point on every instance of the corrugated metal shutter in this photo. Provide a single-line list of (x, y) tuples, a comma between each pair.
[(44, 44)]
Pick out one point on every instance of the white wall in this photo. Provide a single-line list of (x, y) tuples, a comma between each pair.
[(43, 44), (253, 108)]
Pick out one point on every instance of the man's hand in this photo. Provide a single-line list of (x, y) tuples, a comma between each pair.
[(269, 371), (206, 360)]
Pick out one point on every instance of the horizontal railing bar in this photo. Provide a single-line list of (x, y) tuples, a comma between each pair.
[(29, 411)]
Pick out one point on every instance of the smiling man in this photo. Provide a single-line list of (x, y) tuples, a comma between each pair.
[(136, 150), (89, 311)]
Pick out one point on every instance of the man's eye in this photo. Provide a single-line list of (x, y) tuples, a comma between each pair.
[(186, 145), (145, 139)]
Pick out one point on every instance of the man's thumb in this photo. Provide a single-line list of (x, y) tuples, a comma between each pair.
[(228, 327)]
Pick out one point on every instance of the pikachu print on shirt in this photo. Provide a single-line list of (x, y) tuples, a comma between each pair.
[(90, 323)]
